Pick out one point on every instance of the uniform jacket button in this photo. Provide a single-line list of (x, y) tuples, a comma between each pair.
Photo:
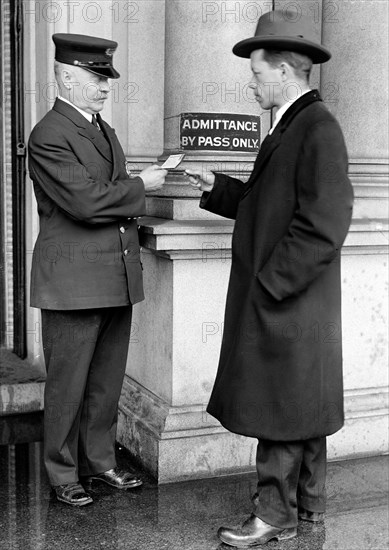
[(122, 229), (125, 252)]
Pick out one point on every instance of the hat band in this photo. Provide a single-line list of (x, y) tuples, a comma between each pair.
[(90, 64)]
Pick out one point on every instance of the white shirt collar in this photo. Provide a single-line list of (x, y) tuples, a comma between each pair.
[(282, 110), (88, 116)]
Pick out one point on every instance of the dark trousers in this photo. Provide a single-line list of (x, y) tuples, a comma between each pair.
[(85, 353), (291, 474)]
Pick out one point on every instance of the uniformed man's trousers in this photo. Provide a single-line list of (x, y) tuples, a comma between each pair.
[(85, 353), (291, 474)]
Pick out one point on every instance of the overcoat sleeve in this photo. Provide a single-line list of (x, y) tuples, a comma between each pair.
[(321, 219), (77, 189), (224, 197)]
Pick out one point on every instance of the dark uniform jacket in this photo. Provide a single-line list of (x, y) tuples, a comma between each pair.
[(280, 370), (87, 251)]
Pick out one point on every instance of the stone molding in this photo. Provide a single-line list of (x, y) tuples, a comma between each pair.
[(150, 428), (179, 201), (176, 238), (166, 422)]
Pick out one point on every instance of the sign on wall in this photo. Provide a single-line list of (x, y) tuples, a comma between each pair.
[(219, 132)]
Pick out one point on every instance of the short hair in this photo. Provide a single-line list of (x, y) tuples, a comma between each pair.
[(57, 68), (301, 63)]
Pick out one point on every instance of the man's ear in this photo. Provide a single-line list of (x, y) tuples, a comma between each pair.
[(67, 78), (285, 70)]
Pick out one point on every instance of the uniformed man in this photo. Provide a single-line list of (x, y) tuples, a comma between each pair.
[(280, 371), (86, 269)]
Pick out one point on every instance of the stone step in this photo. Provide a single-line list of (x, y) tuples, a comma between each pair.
[(21, 385)]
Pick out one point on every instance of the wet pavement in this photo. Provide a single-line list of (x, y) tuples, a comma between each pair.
[(181, 516)]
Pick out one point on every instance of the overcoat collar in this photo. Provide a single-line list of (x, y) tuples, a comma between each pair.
[(86, 129), (271, 142)]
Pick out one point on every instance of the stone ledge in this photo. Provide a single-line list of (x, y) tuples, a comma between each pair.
[(160, 226), (21, 385), (158, 234), (369, 203), (366, 402), (179, 201), (178, 209)]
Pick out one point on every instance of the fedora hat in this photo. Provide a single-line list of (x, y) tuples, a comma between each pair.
[(87, 52), (284, 30)]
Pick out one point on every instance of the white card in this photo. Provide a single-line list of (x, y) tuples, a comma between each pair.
[(172, 162)]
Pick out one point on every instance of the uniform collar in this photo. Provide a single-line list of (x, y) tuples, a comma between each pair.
[(88, 116)]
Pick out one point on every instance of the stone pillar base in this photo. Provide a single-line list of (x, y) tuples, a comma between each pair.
[(181, 443)]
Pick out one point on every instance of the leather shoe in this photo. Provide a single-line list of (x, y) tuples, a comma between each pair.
[(72, 494), (307, 515), (120, 479), (254, 532)]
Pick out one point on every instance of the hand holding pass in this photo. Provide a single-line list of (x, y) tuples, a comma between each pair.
[(153, 177), (201, 179)]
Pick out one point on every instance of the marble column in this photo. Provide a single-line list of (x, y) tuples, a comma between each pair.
[(203, 76), (177, 331)]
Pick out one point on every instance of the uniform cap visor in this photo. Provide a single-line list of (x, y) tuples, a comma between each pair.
[(108, 72)]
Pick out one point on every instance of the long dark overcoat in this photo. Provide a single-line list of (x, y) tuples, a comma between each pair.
[(87, 251), (280, 370)]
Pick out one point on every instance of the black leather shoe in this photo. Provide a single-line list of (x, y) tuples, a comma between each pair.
[(314, 517), (120, 479), (254, 532), (72, 494)]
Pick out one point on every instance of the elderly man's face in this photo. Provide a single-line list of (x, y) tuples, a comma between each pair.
[(88, 90), (266, 81)]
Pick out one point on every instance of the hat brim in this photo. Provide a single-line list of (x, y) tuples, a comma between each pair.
[(316, 52), (107, 72)]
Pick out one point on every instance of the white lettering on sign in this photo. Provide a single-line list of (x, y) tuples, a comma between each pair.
[(187, 140), (228, 125), (216, 141), (245, 142), (219, 132)]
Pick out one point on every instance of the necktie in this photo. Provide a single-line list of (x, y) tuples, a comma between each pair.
[(94, 122)]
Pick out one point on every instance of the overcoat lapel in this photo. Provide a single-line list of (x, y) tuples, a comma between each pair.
[(271, 142), (85, 128), (269, 145)]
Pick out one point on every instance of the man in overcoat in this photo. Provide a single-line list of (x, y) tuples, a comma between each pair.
[(280, 371), (86, 269)]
